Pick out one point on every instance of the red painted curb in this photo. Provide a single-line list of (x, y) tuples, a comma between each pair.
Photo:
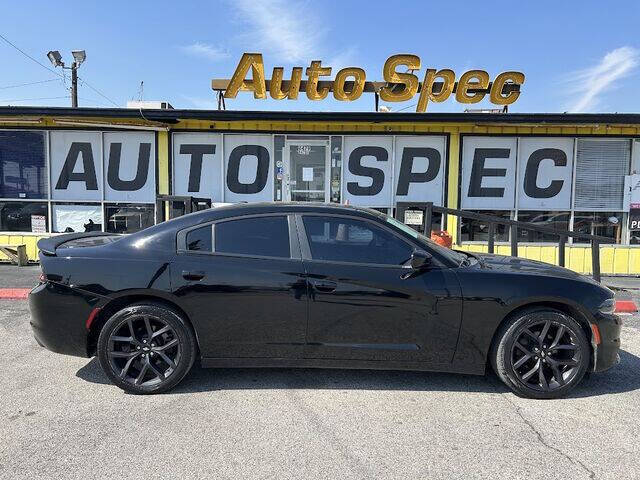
[(626, 306), (14, 293)]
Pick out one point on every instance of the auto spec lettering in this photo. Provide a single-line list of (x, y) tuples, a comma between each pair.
[(78, 159), (371, 173), (489, 167), (419, 169), (400, 82), (197, 165), (245, 174), (544, 167)]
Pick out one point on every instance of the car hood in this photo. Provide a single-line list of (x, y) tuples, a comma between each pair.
[(528, 267)]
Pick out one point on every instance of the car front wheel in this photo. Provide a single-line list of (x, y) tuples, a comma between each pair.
[(146, 348), (541, 353)]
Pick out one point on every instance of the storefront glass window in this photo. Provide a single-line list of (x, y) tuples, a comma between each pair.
[(24, 217), (128, 218), (605, 224), (474, 230), (76, 217), (555, 220), (22, 165)]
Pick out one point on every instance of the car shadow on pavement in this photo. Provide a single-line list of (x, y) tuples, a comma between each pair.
[(625, 377)]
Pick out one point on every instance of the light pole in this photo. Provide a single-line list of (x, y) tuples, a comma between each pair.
[(79, 56)]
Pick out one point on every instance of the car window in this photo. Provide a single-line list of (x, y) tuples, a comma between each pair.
[(344, 239), (259, 236), (199, 239)]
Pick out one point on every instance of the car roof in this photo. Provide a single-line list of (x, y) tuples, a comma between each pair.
[(274, 207)]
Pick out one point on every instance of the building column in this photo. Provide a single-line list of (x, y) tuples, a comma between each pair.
[(452, 183)]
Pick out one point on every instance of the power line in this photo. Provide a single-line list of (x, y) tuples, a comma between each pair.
[(30, 83), (30, 99), (84, 82), (29, 56), (55, 72)]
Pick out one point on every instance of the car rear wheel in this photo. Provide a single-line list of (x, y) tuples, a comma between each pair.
[(146, 348), (541, 353)]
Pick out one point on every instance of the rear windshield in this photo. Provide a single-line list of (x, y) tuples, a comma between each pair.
[(89, 242)]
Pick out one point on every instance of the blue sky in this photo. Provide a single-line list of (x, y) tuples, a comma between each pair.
[(577, 56)]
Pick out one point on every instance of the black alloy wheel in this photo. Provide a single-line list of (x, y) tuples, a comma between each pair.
[(146, 348), (542, 354)]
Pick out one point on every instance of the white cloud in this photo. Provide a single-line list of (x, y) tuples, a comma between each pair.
[(288, 29), (590, 83), (210, 52)]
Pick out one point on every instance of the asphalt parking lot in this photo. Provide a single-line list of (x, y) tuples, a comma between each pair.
[(60, 418)]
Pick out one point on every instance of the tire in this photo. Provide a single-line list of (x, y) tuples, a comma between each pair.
[(541, 353), (146, 348)]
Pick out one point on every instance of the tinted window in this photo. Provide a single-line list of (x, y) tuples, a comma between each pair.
[(199, 239), (349, 240), (22, 165), (24, 217), (260, 236), (128, 218)]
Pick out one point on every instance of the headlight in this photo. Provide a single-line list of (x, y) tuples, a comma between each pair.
[(608, 306)]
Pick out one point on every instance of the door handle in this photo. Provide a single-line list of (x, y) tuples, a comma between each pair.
[(324, 286), (198, 275)]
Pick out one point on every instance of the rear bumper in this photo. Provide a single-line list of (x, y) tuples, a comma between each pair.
[(58, 316), (607, 353)]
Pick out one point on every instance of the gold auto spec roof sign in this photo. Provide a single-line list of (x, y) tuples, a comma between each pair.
[(350, 83)]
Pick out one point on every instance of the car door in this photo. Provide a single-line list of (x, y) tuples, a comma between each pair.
[(366, 303), (242, 282)]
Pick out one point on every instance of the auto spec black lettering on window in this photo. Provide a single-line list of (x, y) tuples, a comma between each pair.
[(367, 176), (197, 165), (248, 168), (488, 172), (78, 160), (545, 168), (76, 165), (419, 168)]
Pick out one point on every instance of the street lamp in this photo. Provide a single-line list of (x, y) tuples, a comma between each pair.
[(79, 56)]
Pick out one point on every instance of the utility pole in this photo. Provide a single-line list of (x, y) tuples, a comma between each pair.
[(74, 85), (79, 56)]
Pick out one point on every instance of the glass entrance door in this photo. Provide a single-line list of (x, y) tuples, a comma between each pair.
[(306, 171)]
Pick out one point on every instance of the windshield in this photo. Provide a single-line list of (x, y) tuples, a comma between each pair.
[(449, 254)]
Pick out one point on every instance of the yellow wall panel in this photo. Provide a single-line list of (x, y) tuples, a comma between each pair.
[(606, 260), (621, 261), (634, 261), (549, 255), (575, 259)]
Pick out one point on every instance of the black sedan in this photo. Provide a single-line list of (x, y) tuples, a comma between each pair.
[(303, 285)]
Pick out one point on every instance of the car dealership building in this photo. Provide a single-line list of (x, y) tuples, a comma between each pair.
[(84, 169)]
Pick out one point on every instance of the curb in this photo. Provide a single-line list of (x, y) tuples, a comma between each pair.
[(14, 293)]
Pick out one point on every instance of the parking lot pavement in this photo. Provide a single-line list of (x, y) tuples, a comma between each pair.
[(60, 418)]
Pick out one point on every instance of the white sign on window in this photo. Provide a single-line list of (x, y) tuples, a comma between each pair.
[(76, 165), (38, 224), (545, 169), (307, 174), (366, 171), (197, 165), (488, 173), (413, 217), (248, 168), (419, 169)]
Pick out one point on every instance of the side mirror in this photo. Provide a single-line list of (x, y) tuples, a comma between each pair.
[(420, 259)]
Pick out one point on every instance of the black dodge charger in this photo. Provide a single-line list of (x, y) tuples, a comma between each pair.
[(303, 285)]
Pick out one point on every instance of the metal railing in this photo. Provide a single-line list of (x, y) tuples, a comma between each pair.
[(172, 206), (514, 225)]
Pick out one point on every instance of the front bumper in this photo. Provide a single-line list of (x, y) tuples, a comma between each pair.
[(607, 353), (58, 316)]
